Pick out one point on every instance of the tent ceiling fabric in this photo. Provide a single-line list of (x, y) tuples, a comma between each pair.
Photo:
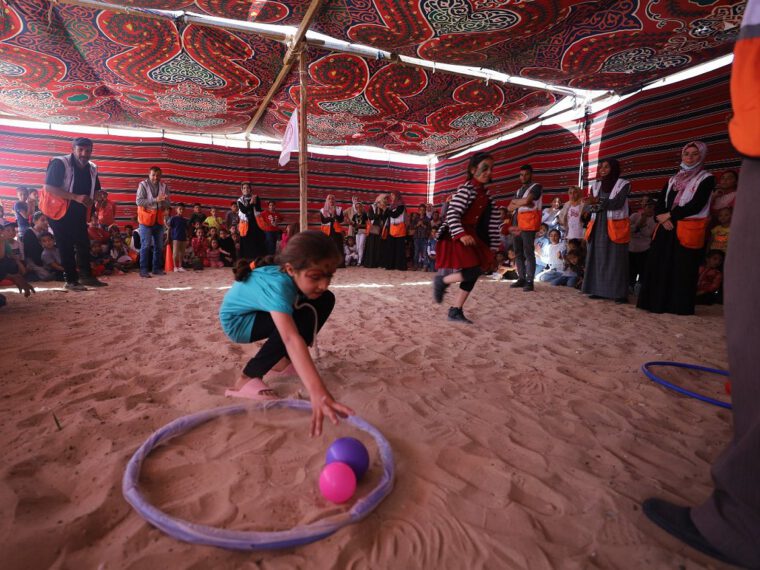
[(609, 45), (75, 65)]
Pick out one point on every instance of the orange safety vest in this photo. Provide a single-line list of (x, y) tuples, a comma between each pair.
[(151, 216), (744, 127), (54, 207), (529, 217)]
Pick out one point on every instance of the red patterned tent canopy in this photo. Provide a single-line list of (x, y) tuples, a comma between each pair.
[(92, 66)]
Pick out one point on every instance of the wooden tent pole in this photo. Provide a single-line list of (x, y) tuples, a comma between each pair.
[(303, 135)]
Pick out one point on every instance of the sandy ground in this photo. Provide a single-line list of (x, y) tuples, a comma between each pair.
[(525, 441)]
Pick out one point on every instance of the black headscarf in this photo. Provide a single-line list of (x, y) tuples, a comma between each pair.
[(608, 182)]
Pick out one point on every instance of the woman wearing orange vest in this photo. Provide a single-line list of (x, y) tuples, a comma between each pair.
[(682, 214), (152, 199), (394, 246), (608, 234), (727, 525), (331, 217)]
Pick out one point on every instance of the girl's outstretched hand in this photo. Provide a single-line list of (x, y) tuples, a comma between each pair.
[(323, 404)]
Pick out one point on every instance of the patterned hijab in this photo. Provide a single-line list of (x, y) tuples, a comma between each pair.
[(689, 173)]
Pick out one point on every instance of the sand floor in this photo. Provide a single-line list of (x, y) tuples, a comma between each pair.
[(525, 441)]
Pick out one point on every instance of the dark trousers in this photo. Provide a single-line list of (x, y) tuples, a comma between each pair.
[(73, 242), (274, 349), (637, 262), (270, 239), (525, 253), (730, 518)]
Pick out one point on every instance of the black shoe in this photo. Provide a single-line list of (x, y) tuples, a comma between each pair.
[(456, 314), (677, 521), (78, 287), (528, 286), (92, 282), (621, 301), (595, 297), (439, 288), (3, 302), (517, 284), (145, 275), (159, 273)]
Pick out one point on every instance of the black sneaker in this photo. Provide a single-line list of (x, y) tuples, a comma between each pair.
[(439, 288), (145, 275), (456, 314), (92, 282), (677, 521), (528, 286), (78, 287), (518, 284)]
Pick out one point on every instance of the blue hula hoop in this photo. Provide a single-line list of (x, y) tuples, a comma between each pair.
[(240, 540), (654, 378)]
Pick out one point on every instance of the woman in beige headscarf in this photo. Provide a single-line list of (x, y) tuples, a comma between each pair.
[(377, 215)]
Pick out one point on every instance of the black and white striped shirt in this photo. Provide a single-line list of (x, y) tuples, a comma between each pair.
[(457, 208)]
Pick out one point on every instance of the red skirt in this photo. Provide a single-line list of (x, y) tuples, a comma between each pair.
[(452, 254)]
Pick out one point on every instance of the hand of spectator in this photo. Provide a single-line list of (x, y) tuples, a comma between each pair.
[(662, 218), (467, 240), (83, 199), (668, 225)]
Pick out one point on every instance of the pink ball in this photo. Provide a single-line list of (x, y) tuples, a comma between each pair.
[(337, 482)]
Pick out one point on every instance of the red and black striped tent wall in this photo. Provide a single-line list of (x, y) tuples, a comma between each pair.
[(209, 175), (645, 132)]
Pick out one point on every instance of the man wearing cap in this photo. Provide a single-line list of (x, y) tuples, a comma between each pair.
[(71, 183)]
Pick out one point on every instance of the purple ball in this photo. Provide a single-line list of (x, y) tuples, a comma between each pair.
[(350, 451)]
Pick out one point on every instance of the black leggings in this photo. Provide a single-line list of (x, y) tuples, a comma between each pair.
[(274, 349), (469, 278)]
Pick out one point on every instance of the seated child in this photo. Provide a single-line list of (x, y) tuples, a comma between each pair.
[(97, 233), (572, 270), (710, 279), (430, 249), (541, 248), (508, 268), (227, 247), (554, 254), (350, 252), (122, 261), (199, 247), (100, 262), (214, 221), (719, 234), (51, 258), (214, 255)]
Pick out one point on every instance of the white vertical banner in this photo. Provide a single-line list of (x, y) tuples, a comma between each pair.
[(290, 140)]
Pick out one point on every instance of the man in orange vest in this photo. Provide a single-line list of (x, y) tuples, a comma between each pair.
[(727, 525), (73, 180), (152, 200)]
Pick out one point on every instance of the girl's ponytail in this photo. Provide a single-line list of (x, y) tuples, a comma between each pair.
[(242, 269)]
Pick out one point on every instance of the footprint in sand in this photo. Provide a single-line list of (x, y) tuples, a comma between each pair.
[(38, 355)]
